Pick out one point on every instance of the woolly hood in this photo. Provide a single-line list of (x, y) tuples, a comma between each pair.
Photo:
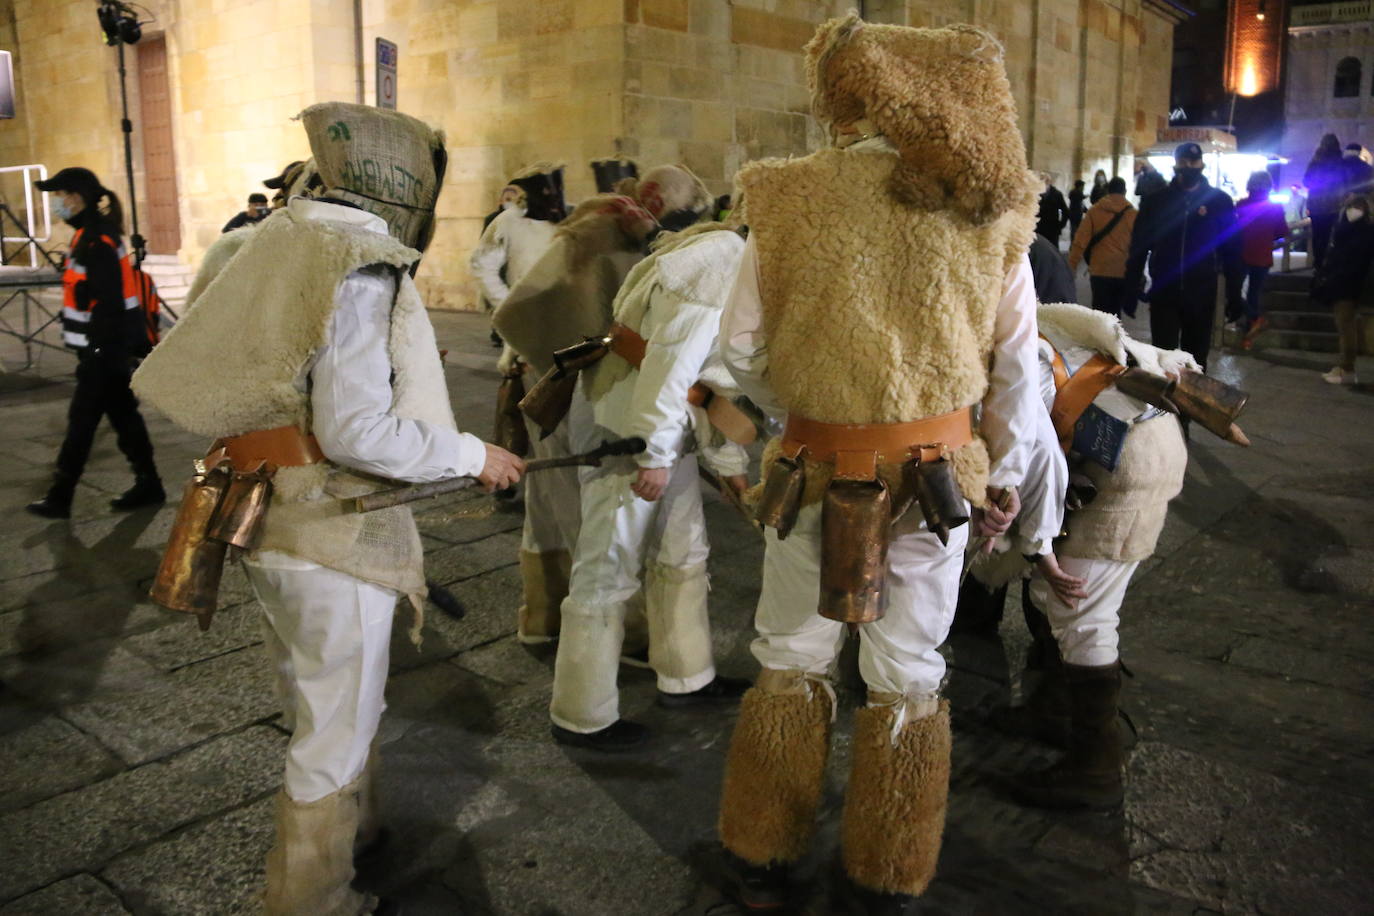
[(941, 97), (1065, 324)]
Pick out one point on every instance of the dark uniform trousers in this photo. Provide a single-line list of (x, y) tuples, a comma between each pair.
[(102, 390), (1183, 318)]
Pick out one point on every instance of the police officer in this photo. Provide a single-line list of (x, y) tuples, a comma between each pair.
[(1188, 232), (103, 322)]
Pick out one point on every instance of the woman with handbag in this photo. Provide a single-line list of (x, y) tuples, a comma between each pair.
[(1102, 242)]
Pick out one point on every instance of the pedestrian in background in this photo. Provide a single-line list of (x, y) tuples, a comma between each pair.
[(1147, 179), (1325, 180), (103, 322), (1187, 232), (1340, 281), (1054, 211), (256, 212), (1103, 243), (1262, 226), (1099, 190), (1359, 174), (1076, 207)]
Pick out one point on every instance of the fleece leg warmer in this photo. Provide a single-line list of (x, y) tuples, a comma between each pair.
[(894, 811), (775, 770)]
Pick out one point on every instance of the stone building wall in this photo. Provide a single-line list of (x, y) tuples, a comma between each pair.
[(1310, 106), (710, 83)]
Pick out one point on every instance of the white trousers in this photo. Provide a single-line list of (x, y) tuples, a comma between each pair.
[(329, 642), (1087, 634), (622, 537), (897, 654)]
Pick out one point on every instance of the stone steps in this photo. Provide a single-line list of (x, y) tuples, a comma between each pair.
[(172, 277)]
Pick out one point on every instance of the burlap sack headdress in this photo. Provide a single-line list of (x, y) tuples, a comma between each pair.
[(386, 162), (941, 97)]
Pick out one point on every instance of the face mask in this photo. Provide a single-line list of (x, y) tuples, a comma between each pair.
[(1188, 176), (1354, 214), (61, 210)]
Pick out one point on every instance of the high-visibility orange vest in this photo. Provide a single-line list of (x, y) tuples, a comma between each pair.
[(76, 318)]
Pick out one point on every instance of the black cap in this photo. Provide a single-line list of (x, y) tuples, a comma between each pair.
[(1187, 151), (256, 198), (287, 175), (82, 181), (1355, 147)]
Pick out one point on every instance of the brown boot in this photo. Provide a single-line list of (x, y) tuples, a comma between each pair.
[(310, 864), (545, 577), (774, 776), (1089, 775), (894, 808)]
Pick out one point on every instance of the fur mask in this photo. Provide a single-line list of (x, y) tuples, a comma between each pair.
[(941, 97)]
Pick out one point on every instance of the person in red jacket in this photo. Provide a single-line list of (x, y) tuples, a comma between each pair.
[(1262, 226)]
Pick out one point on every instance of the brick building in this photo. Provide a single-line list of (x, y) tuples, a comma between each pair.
[(712, 83)]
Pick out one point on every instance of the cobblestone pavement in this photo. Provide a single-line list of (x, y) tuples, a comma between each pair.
[(139, 755)]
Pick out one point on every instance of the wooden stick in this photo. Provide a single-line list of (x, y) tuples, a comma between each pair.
[(399, 496)]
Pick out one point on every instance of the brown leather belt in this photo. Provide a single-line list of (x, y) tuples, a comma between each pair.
[(283, 447), (856, 449), (629, 346), (1073, 395)]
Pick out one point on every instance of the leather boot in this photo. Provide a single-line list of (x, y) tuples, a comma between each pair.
[(545, 577), (774, 777), (1089, 775), (57, 503), (310, 864), (146, 491), (894, 806)]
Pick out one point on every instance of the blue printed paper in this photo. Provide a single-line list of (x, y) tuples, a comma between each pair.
[(1099, 437)]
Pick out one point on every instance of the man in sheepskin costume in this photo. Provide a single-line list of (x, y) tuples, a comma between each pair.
[(884, 292), (518, 237), (565, 295), (642, 520), (1077, 697), (311, 350)]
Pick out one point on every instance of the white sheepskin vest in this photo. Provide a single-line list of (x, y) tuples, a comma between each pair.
[(1124, 520), (699, 268), (875, 312), (234, 364)]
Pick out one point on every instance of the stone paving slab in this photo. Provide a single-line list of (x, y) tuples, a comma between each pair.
[(1247, 633), (91, 825), (81, 895), (214, 868), (70, 758)]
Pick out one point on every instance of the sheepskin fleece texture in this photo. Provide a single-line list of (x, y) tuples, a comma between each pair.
[(874, 312), (667, 189), (1065, 324), (231, 365), (695, 267), (775, 774), (219, 254), (941, 97), (1125, 519), (545, 578), (894, 807), (568, 293)]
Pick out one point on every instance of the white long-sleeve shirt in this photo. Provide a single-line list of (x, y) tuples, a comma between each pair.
[(652, 402), (1012, 398), (349, 381)]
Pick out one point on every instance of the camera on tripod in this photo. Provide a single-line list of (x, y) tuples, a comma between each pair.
[(119, 22)]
